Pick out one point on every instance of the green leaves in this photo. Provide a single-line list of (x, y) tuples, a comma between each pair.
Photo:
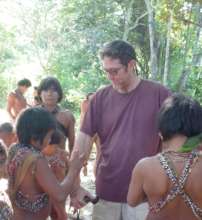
[(191, 143)]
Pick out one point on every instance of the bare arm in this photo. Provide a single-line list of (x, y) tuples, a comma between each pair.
[(136, 193), (10, 104), (83, 144), (48, 182), (71, 132)]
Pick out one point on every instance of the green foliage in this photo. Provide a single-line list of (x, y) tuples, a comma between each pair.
[(65, 37)]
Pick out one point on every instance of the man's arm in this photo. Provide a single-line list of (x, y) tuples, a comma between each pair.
[(83, 144)]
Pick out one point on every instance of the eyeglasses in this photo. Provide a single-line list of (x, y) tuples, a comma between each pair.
[(113, 71)]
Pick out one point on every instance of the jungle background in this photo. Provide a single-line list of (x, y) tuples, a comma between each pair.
[(62, 38)]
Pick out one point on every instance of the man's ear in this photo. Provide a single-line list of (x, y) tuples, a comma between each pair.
[(132, 64)]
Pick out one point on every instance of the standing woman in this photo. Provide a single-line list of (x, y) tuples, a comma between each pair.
[(51, 94)]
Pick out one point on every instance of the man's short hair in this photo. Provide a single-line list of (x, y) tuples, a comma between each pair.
[(6, 127), (119, 49), (24, 82), (34, 124), (180, 115), (49, 82)]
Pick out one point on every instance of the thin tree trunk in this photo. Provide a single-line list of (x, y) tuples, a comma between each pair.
[(167, 55), (128, 20), (152, 38), (197, 51), (195, 55)]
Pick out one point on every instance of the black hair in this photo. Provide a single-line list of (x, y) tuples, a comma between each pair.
[(6, 127), (180, 115), (56, 137), (24, 82), (49, 82), (34, 123), (119, 49)]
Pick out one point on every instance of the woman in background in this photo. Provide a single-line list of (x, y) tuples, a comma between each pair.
[(51, 94)]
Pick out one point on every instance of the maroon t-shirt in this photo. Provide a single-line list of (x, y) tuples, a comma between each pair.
[(126, 125)]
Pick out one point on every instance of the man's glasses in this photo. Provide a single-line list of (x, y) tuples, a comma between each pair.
[(113, 71)]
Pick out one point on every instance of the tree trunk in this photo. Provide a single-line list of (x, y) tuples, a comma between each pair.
[(186, 70), (167, 55), (152, 38), (128, 20)]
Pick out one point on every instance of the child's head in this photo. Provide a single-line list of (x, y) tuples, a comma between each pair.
[(33, 125), (7, 134)]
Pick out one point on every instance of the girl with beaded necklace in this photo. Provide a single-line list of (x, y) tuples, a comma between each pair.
[(171, 182), (32, 184)]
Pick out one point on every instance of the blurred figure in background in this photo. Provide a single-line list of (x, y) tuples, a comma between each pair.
[(37, 100), (7, 134), (3, 158), (58, 160), (16, 101), (84, 107)]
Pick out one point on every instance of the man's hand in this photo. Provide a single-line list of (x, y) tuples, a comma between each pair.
[(77, 198)]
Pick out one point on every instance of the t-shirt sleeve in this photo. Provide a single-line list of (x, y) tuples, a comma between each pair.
[(89, 125)]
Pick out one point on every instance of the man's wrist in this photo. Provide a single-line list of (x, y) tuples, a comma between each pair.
[(75, 189)]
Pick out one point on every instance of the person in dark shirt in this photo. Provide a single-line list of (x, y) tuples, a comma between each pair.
[(123, 115)]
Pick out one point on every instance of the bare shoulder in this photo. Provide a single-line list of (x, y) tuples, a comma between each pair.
[(66, 115), (12, 94), (146, 164)]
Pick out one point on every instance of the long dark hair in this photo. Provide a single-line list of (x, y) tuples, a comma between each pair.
[(34, 123)]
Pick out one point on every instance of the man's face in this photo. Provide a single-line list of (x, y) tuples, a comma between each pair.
[(116, 72)]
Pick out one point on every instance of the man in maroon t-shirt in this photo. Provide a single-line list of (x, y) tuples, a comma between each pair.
[(124, 117)]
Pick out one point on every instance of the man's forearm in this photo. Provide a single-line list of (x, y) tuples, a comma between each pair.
[(70, 183), (83, 144)]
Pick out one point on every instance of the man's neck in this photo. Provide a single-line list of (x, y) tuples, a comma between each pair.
[(132, 84)]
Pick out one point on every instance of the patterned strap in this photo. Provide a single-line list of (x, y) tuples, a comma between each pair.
[(178, 184)]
